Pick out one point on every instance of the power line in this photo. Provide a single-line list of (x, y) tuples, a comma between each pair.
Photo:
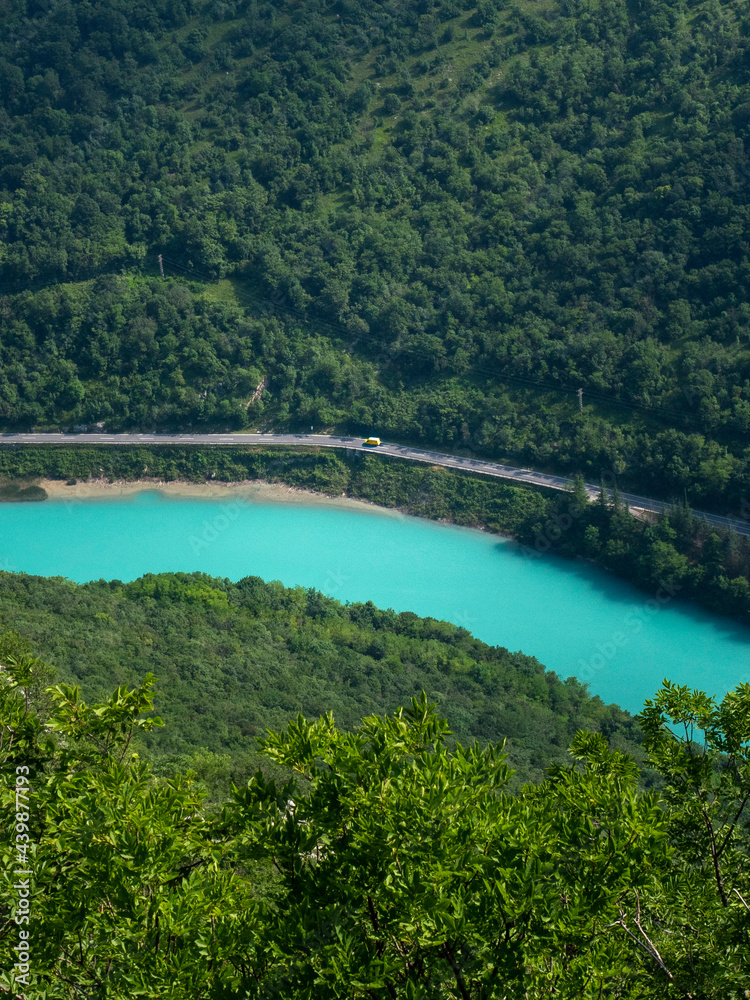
[(52, 276), (339, 331)]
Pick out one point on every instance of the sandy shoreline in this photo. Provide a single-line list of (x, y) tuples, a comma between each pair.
[(251, 490)]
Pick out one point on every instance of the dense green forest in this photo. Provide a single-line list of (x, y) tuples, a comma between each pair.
[(236, 658), (677, 556), (437, 220), (393, 864)]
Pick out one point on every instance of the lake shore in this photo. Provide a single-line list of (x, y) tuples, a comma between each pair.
[(250, 490), (562, 612)]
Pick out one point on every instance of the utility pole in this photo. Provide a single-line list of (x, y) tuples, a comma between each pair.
[(580, 398), (161, 266)]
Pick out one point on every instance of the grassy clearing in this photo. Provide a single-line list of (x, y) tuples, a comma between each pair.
[(222, 291)]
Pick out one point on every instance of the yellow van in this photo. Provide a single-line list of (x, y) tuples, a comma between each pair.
[(372, 442)]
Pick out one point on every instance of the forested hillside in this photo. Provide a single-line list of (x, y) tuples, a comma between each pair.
[(234, 659), (453, 215)]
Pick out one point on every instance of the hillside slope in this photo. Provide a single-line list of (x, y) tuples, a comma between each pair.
[(447, 219), (235, 659)]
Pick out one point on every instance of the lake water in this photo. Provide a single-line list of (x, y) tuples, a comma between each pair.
[(576, 620)]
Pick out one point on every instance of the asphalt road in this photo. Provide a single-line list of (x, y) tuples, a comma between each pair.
[(331, 441)]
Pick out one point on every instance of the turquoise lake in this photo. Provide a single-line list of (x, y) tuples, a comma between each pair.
[(576, 620)]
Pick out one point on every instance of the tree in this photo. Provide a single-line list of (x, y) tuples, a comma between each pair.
[(400, 868), (126, 894), (699, 909), (408, 870)]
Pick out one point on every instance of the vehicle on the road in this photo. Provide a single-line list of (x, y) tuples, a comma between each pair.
[(486, 468)]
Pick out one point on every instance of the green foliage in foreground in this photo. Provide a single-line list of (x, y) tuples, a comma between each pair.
[(236, 658), (391, 866), (688, 557)]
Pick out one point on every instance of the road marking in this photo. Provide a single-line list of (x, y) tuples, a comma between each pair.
[(332, 441)]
